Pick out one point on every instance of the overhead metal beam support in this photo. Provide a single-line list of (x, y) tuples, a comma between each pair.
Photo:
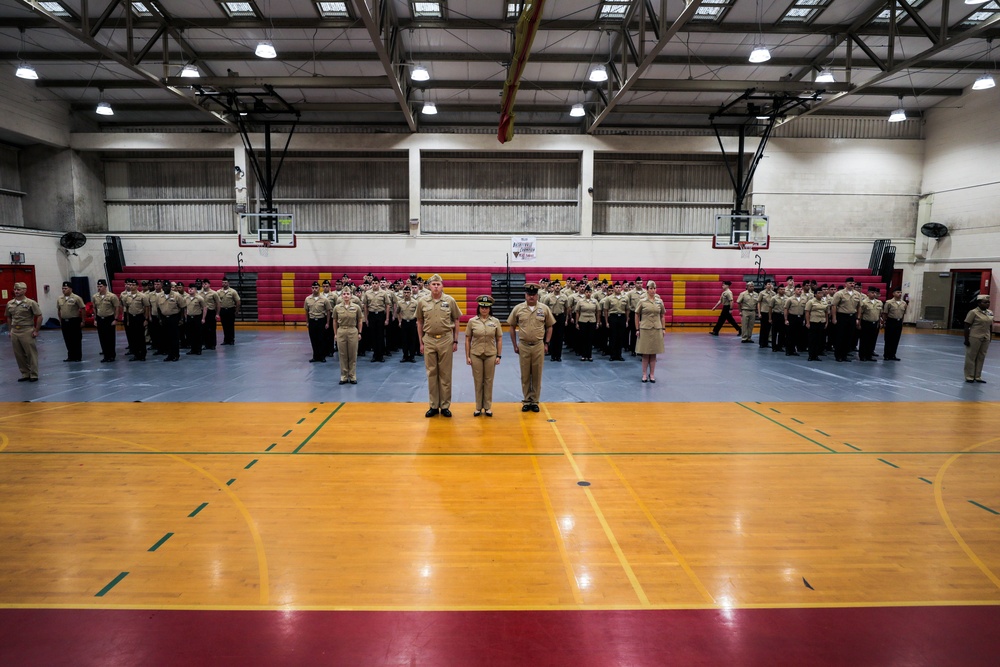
[(99, 23), (383, 44), (915, 17), (111, 55), (242, 82), (871, 54), (667, 35)]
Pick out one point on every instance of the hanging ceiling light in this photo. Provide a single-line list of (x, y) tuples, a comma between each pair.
[(976, 2), (985, 82), (599, 74), (265, 49), (104, 109), (825, 76), (429, 109), (899, 114), (577, 110), (190, 70), (760, 54), (420, 74), (26, 71)]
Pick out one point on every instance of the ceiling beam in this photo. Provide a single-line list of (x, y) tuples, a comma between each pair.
[(386, 47), (244, 82)]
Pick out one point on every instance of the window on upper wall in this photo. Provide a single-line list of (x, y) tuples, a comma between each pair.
[(987, 11), (56, 9), (712, 11), (613, 10), (804, 11), (333, 10), (240, 10), (427, 10)]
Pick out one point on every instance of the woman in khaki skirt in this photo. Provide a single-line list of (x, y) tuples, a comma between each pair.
[(650, 316), (483, 344)]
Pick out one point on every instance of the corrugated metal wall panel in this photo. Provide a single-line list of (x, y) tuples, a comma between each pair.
[(833, 127), (10, 175), (175, 217), (499, 218), (348, 216), (11, 213), (343, 179), (656, 219)]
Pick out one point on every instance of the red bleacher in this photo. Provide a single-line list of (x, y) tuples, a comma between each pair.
[(688, 294)]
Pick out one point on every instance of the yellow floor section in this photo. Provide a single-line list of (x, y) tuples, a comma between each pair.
[(372, 506)]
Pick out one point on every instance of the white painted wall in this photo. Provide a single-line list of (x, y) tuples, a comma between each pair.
[(52, 264)]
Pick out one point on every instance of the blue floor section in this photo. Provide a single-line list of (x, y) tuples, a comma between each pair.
[(272, 366)]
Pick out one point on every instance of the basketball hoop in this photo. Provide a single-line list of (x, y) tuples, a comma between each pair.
[(746, 249), (264, 247)]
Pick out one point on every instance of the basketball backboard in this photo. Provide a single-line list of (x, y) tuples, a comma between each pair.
[(734, 231), (275, 230)]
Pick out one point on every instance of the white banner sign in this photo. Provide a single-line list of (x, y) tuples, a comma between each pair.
[(523, 248)]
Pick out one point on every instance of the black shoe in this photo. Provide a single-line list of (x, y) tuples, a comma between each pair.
[(477, 413), (970, 381), (526, 407), (313, 361), (813, 359), (792, 354), (748, 340), (24, 379), (353, 381), (403, 360), (445, 412), (343, 382), (65, 360), (710, 333), (198, 354), (534, 407), (32, 379), (980, 380), (431, 412)]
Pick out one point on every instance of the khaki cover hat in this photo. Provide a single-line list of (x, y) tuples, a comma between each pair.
[(435, 279), (485, 301)]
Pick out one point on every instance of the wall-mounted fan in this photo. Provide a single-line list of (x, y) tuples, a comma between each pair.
[(70, 241), (934, 230)]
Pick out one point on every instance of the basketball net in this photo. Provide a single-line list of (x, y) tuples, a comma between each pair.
[(264, 248), (746, 249)]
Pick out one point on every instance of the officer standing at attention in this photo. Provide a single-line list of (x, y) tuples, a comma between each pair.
[(815, 318), (893, 311), (438, 318), (24, 319), (532, 323), (556, 301), (348, 321), (778, 339), (229, 303), (844, 311), (107, 312), (196, 309), (765, 302), (212, 306), (169, 305), (483, 345), (615, 310), (136, 306), (726, 301), (747, 301), (795, 310), (869, 320), (317, 309), (978, 332), (376, 303), (70, 308), (406, 313), (329, 338)]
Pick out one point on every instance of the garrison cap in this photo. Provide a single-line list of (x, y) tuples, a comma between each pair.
[(193, 285), (102, 281), (531, 288), (67, 283), (315, 283), (20, 286), (485, 301)]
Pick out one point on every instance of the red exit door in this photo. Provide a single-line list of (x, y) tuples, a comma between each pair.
[(16, 273)]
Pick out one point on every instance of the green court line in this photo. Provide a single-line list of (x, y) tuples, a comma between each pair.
[(858, 452), (322, 424), (312, 411), (984, 507), (797, 421), (300, 421), (198, 509), (889, 464), (111, 585), (923, 479), (230, 482), (775, 410), (271, 447), (285, 435), (857, 449), (821, 433), (160, 543), (249, 465), (820, 444)]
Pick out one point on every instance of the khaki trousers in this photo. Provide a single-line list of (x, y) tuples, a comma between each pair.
[(438, 355), (483, 370), (747, 319), (25, 351), (975, 355), (531, 356), (347, 347)]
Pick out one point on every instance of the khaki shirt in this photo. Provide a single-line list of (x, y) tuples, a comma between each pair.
[(377, 302), (556, 303), (650, 313), (634, 297), (587, 309), (747, 300), (70, 306), (135, 303), (895, 309), (211, 298), (348, 315), (154, 302), (438, 317), (169, 303), (22, 313), (195, 304), (228, 298), (766, 300), (727, 297), (796, 305), (846, 303), (980, 322), (107, 305), (407, 309), (317, 307), (530, 325), (816, 311), (871, 310), (778, 306), (615, 304), (484, 336)]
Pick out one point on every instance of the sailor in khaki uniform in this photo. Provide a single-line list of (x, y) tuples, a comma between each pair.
[(815, 317), (726, 301), (778, 339), (377, 303), (169, 305), (586, 311), (650, 318), (107, 312), (136, 307), (747, 301), (213, 305), (530, 332), (556, 301), (483, 345), (765, 302), (893, 312), (615, 310), (406, 313), (844, 312), (348, 321), (795, 310), (196, 312), (317, 309), (978, 332), (24, 319), (229, 303), (869, 320), (70, 308), (438, 318)]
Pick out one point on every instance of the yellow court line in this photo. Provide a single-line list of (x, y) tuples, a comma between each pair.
[(258, 542), (479, 608), (939, 500), (35, 412), (640, 593), (645, 510), (4, 441), (563, 553)]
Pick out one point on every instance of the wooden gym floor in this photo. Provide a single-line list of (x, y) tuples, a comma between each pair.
[(588, 534)]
